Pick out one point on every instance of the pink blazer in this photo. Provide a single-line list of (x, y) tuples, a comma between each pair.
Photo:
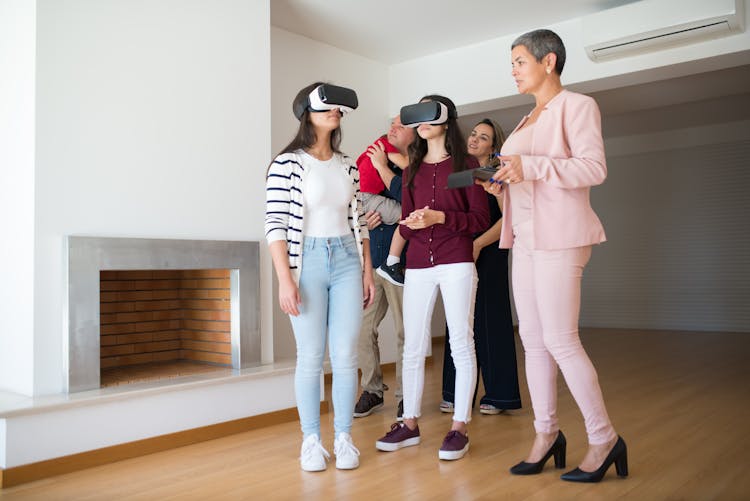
[(567, 158)]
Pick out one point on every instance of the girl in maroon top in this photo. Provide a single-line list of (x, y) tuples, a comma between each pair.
[(439, 224)]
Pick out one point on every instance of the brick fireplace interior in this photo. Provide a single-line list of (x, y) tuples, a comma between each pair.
[(157, 324)]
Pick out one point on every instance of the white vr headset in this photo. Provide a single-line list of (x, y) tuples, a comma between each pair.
[(327, 97), (429, 112)]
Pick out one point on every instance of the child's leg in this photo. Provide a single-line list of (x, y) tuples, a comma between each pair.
[(397, 247), (391, 269), (388, 208), (369, 201)]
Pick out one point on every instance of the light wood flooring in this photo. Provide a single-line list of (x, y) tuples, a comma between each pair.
[(680, 400)]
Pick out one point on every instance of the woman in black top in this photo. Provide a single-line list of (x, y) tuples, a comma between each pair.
[(493, 325)]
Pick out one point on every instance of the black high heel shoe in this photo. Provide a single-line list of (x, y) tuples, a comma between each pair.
[(618, 455), (557, 449)]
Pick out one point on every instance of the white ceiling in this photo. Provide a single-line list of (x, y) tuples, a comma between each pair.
[(391, 31)]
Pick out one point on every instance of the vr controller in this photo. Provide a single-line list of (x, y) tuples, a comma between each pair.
[(466, 178), (429, 112), (327, 97)]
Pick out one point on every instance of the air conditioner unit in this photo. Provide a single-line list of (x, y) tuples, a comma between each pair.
[(655, 24)]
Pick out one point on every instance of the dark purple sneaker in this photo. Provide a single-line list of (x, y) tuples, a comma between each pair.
[(400, 436), (455, 446)]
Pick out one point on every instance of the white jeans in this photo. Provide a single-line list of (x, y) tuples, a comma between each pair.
[(457, 283)]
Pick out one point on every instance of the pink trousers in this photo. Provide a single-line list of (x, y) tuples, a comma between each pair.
[(547, 294)]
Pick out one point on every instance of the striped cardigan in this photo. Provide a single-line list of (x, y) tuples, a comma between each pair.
[(285, 205)]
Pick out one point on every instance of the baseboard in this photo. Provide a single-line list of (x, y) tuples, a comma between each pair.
[(75, 462)]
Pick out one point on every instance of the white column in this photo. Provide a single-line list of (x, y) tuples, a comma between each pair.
[(17, 173)]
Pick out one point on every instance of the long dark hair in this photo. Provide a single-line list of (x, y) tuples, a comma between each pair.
[(306, 136), (455, 144)]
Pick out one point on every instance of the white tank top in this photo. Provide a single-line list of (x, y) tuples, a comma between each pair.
[(327, 192)]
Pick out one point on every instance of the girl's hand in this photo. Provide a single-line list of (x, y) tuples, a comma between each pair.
[(289, 297), (423, 218), (368, 286)]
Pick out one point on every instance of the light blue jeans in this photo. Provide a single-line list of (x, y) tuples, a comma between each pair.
[(330, 287)]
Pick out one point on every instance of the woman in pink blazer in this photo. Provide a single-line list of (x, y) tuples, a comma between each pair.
[(550, 162)]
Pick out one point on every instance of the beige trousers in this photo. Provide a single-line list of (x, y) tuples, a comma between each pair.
[(387, 296)]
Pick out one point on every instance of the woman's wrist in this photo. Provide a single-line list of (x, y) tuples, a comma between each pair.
[(286, 279)]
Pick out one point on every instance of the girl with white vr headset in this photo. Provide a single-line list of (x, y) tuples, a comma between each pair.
[(439, 224), (319, 244)]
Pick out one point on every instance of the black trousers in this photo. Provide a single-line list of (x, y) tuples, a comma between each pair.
[(493, 335)]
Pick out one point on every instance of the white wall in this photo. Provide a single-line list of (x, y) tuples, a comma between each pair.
[(675, 258), (477, 77), (297, 61), (675, 209), (151, 122), (17, 77)]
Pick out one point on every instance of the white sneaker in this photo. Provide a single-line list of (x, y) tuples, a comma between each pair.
[(313, 456), (347, 456)]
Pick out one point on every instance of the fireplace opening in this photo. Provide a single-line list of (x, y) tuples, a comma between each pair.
[(160, 324), (135, 304)]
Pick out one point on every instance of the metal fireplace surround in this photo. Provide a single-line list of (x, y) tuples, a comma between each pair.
[(87, 256)]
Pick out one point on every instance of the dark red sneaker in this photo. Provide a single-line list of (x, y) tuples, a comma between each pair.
[(399, 437), (455, 446)]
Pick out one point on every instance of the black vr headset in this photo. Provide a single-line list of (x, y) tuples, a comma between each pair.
[(429, 112), (327, 97)]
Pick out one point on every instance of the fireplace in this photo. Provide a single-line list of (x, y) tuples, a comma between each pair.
[(133, 304), (158, 324)]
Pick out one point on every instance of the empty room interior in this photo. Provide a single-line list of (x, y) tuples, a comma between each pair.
[(143, 352)]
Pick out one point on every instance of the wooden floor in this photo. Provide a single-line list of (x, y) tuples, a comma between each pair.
[(680, 400)]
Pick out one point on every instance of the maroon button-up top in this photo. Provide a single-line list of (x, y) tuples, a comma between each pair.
[(466, 213)]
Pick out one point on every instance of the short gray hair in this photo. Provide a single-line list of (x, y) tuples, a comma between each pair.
[(542, 42)]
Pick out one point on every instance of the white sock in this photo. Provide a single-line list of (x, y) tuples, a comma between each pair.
[(392, 260)]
